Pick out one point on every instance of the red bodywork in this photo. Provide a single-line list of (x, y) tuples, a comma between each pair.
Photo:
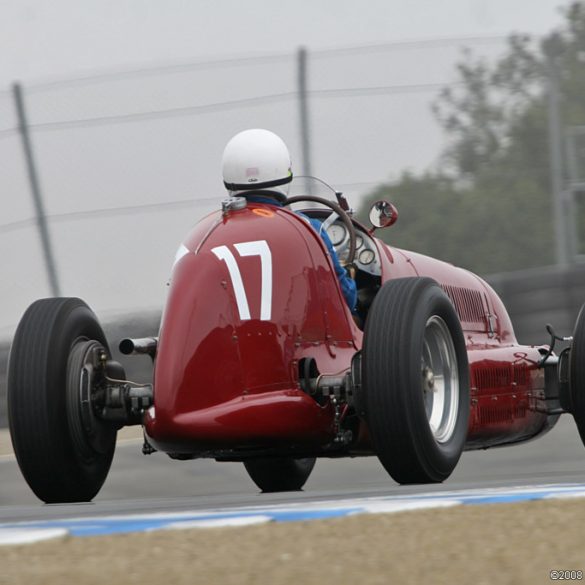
[(223, 382)]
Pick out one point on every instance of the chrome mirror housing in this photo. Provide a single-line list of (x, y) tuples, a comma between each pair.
[(383, 214)]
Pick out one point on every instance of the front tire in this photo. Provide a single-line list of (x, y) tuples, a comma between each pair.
[(280, 474), (64, 451), (577, 373), (416, 381)]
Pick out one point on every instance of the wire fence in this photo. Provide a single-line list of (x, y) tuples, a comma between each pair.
[(129, 160)]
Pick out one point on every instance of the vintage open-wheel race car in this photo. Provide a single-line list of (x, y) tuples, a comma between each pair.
[(259, 360)]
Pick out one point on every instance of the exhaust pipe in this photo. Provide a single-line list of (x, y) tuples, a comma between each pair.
[(143, 345)]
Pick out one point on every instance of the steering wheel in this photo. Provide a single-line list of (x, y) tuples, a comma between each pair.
[(339, 211)]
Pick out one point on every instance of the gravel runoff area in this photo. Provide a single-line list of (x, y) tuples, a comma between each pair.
[(487, 544)]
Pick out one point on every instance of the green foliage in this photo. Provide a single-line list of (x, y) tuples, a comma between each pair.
[(489, 207), (477, 229)]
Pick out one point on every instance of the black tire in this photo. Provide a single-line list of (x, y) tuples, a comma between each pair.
[(577, 373), (399, 386), (282, 474), (64, 454)]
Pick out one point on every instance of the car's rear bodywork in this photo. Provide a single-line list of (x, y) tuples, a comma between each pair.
[(253, 294)]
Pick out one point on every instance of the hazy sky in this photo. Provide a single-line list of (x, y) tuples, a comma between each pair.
[(43, 39), (120, 263)]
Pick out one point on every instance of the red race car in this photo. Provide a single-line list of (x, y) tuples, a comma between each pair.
[(259, 360)]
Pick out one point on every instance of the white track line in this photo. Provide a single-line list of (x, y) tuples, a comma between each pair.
[(19, 532), (13, 536)]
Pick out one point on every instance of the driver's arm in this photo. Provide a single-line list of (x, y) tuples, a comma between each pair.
[(348, 286)]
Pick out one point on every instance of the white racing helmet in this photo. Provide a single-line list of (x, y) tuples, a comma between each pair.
[(257, 159)]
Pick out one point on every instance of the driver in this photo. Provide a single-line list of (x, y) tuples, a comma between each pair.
[(257, 165)]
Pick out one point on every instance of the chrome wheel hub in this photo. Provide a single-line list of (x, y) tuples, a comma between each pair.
[(440, 379)]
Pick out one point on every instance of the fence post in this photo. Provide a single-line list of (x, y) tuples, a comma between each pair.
[(555, 139), (36, 191), (304, 112)]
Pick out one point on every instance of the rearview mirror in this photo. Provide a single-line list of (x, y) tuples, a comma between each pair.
[(383, 214)]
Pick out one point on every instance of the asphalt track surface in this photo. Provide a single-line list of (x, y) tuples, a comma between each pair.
[(155, 483)]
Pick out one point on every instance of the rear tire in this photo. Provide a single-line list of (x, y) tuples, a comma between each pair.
[(415, 381), (577, 373), (64, 451), (282, 474)]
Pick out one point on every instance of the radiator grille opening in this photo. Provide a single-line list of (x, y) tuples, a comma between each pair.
[(492, 377), (495, 414), (491, 414), (501, 376), (467, 303)]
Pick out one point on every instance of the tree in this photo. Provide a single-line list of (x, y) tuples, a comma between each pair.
[(489, 209)]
